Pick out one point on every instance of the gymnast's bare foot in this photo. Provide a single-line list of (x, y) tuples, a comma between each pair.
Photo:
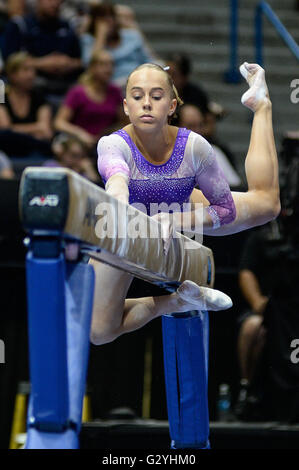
[(258, 93), (194, 297)]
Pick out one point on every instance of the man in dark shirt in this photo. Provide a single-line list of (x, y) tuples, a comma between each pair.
[(51, 42)]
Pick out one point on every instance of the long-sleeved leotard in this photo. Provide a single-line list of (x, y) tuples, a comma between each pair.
[(191, 163)]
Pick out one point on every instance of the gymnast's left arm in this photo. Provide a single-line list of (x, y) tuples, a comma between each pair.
[(214, 186)]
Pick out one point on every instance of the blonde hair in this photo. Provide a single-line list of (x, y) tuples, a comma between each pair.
[(173, 90), (87, 77), (15, 62)]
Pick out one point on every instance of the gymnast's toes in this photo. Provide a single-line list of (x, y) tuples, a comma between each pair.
[(258, 91), (249, 70), (218, 300)]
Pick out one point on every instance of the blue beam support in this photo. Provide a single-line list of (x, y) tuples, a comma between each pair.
[(60, 298), (185, 342), (47, 342)]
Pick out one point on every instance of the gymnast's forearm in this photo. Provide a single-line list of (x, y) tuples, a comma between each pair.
[(249, 213), (196, 221), (117, 186), (204, 219)]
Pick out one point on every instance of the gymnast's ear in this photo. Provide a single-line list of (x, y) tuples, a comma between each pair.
[(125, 107), (173, 107)]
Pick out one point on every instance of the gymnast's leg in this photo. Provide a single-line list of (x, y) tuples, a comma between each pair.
[(189, 296), (260, 203), (111, 288), (261, 161), (114, 315)]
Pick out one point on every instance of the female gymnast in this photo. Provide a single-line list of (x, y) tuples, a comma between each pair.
[(151, 161)]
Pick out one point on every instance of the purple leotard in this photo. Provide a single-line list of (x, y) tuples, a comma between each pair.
[(192, 163)]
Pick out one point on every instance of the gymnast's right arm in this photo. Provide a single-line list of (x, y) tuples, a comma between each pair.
[(113, 169)]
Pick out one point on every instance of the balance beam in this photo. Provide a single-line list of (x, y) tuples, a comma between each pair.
[(61, 201)]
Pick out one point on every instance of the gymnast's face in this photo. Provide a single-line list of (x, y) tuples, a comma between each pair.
[(149, 101)]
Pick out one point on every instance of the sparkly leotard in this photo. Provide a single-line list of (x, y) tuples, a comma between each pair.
[(192, 163)]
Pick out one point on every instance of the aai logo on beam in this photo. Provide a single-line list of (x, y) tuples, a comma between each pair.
[(51, 200)]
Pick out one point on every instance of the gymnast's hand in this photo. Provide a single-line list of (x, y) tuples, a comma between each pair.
[(117, 186), (167, 228)]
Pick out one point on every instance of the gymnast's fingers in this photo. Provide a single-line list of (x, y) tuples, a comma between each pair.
[(167, 229)]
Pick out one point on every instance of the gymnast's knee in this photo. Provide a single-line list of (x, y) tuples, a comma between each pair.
[(100, 334)]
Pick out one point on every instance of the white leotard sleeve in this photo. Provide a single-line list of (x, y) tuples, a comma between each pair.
[(113, 156)]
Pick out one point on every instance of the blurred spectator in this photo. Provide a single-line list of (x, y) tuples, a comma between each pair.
[(16, 7), (126, 17), (3, 15), (53, 45), (214, 114), (71, 8), (180, 70), (92, 107), (20, 7), (269, 273), (76, 13), (3, 21), (255, 285), (6, 169), (70, 152), (25, 117), (125, 44), (192, 118)]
